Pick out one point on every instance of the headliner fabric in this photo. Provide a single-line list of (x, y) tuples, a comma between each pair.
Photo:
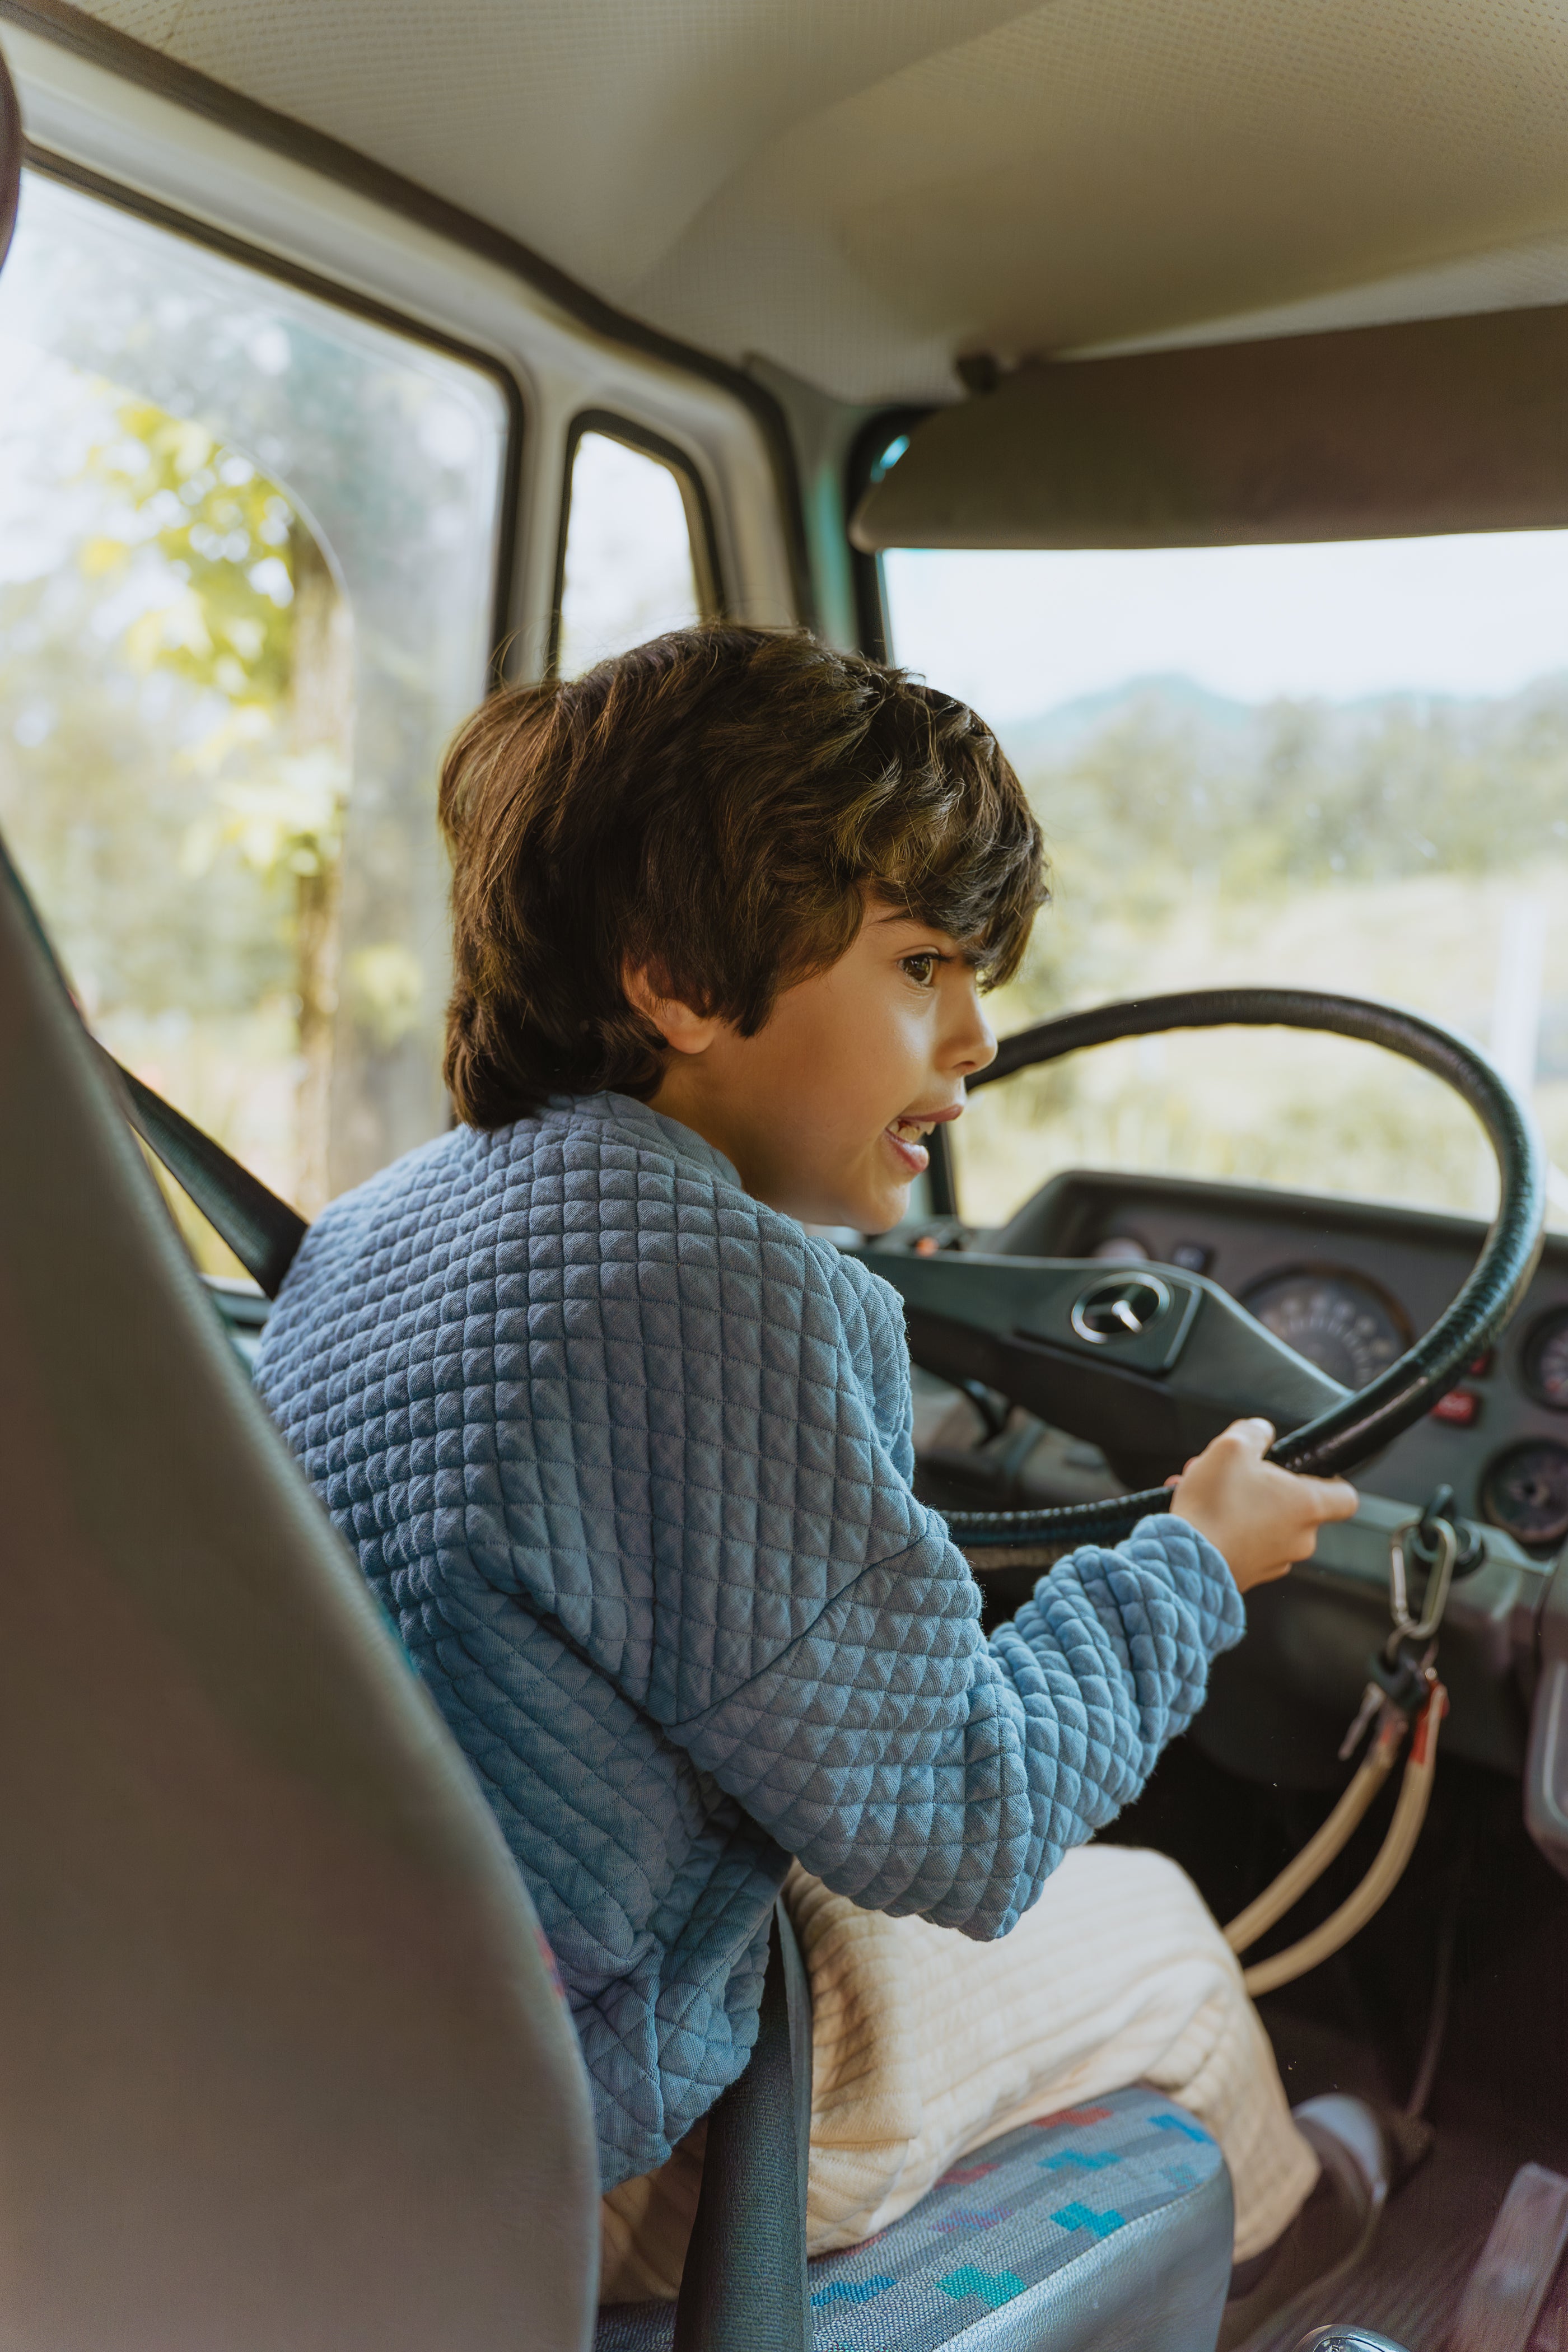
[(860, 190), (627, 1454)]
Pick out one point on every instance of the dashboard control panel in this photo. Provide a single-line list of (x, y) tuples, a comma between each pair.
[(1349, 1284)]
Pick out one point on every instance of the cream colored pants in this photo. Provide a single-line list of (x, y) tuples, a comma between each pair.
[(926, 2045)]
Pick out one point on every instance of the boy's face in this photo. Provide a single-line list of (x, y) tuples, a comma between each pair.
[(823, 1112)]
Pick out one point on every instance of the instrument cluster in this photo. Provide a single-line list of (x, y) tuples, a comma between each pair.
[(1352, 1330), (1351, 1286)]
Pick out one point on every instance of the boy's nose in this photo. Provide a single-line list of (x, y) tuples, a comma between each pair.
[(977, 1045)]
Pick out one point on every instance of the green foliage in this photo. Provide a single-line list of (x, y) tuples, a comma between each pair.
[(1379, 850), (1305, 793), (224, 532), (1158, 811), (221, 614), (155, 796), (181, 677)]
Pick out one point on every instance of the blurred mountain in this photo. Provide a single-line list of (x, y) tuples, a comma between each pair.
[(1161, 778), (1169, 703), (1166, 696)]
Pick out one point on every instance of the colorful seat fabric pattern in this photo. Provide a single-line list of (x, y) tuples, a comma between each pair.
[(1009, 2217)]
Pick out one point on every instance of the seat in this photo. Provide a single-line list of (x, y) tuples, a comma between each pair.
[(1105, 2229), (285, 2063)]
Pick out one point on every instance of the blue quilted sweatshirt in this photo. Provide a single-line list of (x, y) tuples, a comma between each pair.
[(627, 1457)]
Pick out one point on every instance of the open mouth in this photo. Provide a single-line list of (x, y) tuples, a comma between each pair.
[(907, 1137)]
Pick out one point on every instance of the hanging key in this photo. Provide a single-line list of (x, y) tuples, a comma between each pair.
[(1373, 1698)]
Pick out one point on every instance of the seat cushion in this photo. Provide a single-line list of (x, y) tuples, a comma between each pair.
[(1107, 2226)]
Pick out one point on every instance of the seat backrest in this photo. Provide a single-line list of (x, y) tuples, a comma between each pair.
[(282, 2060)]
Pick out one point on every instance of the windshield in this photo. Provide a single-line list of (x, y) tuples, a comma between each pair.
[(1331, 766)]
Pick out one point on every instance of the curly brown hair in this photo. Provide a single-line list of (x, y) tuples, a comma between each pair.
[(709, 807)]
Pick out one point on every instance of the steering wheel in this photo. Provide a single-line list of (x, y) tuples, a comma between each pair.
[(1148, 1362)]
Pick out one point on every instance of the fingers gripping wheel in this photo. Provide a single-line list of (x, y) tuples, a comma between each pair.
[(1151, 1364)]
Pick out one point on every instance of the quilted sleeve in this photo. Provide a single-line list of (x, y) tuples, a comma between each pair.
[(916, 1766), (873, 1319)]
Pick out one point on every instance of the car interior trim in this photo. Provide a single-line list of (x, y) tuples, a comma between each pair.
[(1388, 432), (130, 60)]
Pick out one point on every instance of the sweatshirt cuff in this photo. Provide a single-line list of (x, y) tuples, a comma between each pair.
[(1200, 1574)]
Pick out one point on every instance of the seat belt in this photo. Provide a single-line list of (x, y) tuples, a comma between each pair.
[(744, 2284), (263, 1232)]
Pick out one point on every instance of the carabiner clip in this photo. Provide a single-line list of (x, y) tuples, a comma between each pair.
[(1407, 1628)]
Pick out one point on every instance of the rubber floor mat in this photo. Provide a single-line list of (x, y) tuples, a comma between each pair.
[(1410, 2285)]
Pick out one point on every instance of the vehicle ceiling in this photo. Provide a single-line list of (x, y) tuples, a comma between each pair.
[(861, 190)]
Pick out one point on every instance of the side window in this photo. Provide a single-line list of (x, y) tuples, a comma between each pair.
[(248, 563), (636, 557)]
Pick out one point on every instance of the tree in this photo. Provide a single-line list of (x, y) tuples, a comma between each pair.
[(238, 599)]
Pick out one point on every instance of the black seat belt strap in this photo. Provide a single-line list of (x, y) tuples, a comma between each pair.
[(744, 2284), (263, 1232)]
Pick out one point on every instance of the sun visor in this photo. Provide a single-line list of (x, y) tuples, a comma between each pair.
[(1439, 424)]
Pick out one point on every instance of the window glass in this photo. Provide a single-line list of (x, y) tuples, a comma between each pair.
[(1340, 767), (247, 552), (629, 571)]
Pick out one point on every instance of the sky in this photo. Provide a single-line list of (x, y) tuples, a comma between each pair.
[(1018, 633)]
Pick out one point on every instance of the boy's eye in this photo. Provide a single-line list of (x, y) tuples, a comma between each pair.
[(921, 969)]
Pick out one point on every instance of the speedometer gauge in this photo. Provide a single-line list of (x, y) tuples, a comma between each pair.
[(1339, 1321), (1545, 1365)]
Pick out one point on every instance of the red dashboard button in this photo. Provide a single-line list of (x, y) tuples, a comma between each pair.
[(1461, 1406)]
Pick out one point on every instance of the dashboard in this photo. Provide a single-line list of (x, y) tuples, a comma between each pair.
[(1347, 1284)]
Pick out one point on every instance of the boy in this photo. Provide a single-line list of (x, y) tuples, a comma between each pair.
[(627, 1454)]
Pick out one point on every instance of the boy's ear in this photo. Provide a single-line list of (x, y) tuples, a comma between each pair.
[(684, 1029)]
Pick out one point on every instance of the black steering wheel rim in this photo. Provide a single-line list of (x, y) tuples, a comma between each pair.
[(1349, 1431)]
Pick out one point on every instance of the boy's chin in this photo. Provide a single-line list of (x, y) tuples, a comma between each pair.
[(840, 1214), (880, 1216), (853, 1204)]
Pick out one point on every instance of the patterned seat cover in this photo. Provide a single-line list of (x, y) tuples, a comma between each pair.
[(994, 2232)]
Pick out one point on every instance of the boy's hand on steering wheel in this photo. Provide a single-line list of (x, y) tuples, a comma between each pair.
[(1262, 1519)]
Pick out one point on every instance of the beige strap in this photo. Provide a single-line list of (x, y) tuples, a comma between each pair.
[(1321, 1849), (1397, 1847)]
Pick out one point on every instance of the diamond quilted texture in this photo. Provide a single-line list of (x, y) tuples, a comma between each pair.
[(626, 1456)]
